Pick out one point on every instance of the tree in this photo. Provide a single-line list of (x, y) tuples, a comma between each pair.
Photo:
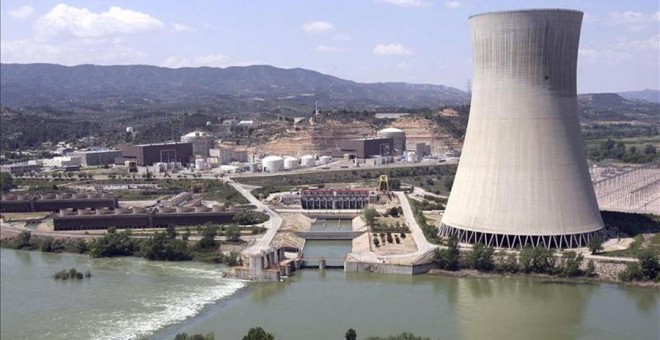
[(448, 259), (394, 212), (376, 242), (113, 244), (591, 268), (448, 182), (481, 257), (571, 263), (258, 333), (648, 262), (537, 260), (208, 238), (351, 334), (233, 233), (369, 216), (595, 244), (6, 181)]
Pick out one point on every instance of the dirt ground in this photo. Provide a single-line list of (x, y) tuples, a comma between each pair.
[(406, 246)]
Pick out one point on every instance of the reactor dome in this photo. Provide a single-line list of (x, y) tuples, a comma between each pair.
[(398, 136), (201, 142)]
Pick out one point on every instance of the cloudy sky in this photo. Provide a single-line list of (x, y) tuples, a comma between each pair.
[(419, 41)]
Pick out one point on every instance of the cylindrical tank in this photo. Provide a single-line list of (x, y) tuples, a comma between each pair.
[(184, 209), (64, 196), (201, 142), (66, 212), (217, 208), (524, 101), (202, 209), (80, 195), (139, 210), (398, 137), (290, 163), (272, 164), (86, 211), (308, 161), (23, 197), (325, 159), (102, 211), (166, 210), (200, 164), (92, 195), (122, 211), (47, 196), (253, 167), (411, 156), (9, 197)]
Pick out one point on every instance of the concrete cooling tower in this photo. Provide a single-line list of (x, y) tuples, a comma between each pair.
[(523, 177)]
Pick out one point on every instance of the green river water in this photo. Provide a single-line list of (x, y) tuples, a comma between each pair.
[(129, 297)]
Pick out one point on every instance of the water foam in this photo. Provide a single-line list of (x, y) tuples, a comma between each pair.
[(177, 303)]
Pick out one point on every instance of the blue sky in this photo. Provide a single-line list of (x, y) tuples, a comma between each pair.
[(417, 41)]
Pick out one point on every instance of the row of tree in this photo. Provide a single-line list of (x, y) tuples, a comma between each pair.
[(610, 149)]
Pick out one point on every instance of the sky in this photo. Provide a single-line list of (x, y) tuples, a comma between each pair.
[(415, 41)]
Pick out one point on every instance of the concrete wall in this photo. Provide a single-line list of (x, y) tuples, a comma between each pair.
[(386, 268), (523, 169)]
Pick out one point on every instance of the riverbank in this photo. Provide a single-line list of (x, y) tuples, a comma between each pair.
[(475, 274)]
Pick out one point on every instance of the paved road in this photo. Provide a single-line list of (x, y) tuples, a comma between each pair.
[(272, 225)]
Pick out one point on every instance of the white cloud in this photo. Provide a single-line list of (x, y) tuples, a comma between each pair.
[(391, 49), (317, 27), (631, 17), (405, 3), (22, 12), (102, 52), (326, 49), (453, 4), (342, 37), (211, 60), (65, 20), (183, 28)]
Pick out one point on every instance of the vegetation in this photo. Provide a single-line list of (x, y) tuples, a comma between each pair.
[(369, 216), (185, 336), (246, 217), (114, 244), (164, 246), (610, 149), (233, 233), (6, 181), (571, 262), (402, 336), (647, 269), (537, 260), (481, 257), (430, 231), (595, 244), (258, 333), (208, 242), (350, 334), (72, 274), (448, 259)]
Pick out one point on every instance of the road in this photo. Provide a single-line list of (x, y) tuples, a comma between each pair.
[(272, 225)]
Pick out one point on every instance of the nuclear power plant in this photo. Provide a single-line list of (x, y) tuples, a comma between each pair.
[(523, 179)]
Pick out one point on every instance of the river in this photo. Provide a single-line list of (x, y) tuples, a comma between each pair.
[(128, 297)]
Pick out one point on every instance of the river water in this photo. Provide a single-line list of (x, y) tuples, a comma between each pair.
[(129, 297)]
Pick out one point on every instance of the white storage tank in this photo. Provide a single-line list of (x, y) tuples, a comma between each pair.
[(290, 163), (398, 136), (307, 161), (411, 156), (272, 164), (325, 159), (200, 164)]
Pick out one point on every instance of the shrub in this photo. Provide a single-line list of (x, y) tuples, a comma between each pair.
[(389, 238), (649, 265), (571, 263), (114, 244), (208, 238), (481, 257), (508, 262), (591, 268), (23, 239), (448, 259), (258, 333), (537, 260), (376, 242), (595, 244), (633, 272), (246, 217), (233, 233), (351, 334)]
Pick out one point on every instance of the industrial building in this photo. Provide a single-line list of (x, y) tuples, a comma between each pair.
[(201, 142), (148, 154), (21, 168), (226, 155), (123, 218), (53, 202), (367, 147), (97, 157), (422, 149), (524, 101), (334, 199), (398, 139)]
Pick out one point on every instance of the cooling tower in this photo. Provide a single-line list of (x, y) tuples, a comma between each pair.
[(523, 177)]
